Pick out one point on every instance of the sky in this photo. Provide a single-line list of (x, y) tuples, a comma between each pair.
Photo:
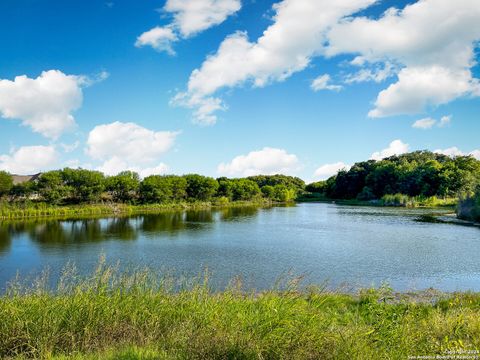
[(235, 87)]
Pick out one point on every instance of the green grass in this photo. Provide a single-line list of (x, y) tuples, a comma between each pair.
[(35, 210), (140, 315), (399, 200)]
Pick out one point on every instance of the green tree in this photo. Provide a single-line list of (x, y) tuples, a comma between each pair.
[(200, 187), (6, 183), (86, 185), (52, 188), (123, 186), (244, 189)]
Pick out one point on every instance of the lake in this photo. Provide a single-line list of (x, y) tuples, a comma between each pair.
[(347, 246)]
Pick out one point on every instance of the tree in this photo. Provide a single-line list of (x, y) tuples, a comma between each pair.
[(6, 183), (244, 189), (200, 187), (86, 185), (52, 188), (161, 189), (317, 187), (123, 186)]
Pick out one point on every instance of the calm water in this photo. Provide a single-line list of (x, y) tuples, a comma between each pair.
[(357, 246)]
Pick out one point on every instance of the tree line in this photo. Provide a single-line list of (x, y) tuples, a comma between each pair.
[(81, 186), (419, 173)]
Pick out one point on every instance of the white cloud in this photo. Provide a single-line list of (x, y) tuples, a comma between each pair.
[(125, 146), (286, 47), (328, 170), (194, 16), (29, 160), (376, 73), (396, 147), (418, 88), (267, 161), (454, 151), (115, 165), (433, 40), (445, 120), (189, 18), (426, 123), (323, 83), (160, 38), (45, 104)]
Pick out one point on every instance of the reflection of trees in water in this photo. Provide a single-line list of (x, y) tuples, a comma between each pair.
[(5, 239), (55, 232), (169, 222), (238, 213), (200, 216), (67, 232), (121, 228)]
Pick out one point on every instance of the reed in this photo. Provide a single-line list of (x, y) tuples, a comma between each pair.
[(113, 314)]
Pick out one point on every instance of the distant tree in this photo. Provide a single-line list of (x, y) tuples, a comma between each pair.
[(52, 188), (123, 186), (6, 183), (317, 187), (86, 185), (200, 187), (162, 189), (244, 189), (268, 192), (283, 194)]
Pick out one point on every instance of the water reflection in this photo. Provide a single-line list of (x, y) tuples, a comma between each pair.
[(57, 233)]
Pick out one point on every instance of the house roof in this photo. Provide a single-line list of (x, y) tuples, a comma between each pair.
[(20, 179)]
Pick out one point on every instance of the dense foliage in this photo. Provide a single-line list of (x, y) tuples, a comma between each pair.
[(420, 173), (80, 186), (6, 183), (469, 207)]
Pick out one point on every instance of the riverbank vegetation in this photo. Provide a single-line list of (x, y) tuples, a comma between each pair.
[(71, 192), (140, 315), (469, 207), (420, 178)]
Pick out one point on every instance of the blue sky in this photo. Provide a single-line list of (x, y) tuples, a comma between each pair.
[(230, 87)]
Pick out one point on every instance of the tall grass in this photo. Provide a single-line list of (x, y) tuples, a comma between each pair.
[(416, 201), (32, 210), (140, 315)]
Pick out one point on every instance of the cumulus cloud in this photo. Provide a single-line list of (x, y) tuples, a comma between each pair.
[(160, 38), (328, 170), (445, 120), (428, 123), (422, 87), (425, 123), (128, 146), (323, 83), (396, 147), (45, 104), (285, 47), (29, 160), (454, 151), (431, 40), (189, 18), (376, 73), (116, 165), (267, 161)]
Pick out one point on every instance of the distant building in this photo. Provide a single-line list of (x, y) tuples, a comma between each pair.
[(20, 179)]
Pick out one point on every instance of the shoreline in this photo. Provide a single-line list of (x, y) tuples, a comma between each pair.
[(118, 209)]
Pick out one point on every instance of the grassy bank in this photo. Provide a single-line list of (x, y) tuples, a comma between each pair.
[(34, 210), (142, 316), (395, 200)]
